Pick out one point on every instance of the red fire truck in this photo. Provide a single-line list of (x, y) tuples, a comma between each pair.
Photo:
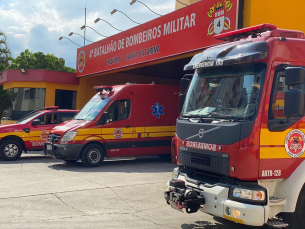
[(240, 137), (30, 132), (124, 120)]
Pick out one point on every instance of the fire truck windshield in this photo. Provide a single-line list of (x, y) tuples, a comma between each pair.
[(225, 92), (92, 109)]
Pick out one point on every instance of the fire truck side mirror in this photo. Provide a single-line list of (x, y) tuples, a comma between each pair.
[(181, 102), (103, 119), (184, 84), (294, 103), (294, 76)]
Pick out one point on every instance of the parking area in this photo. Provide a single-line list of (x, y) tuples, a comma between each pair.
[(40, 192)]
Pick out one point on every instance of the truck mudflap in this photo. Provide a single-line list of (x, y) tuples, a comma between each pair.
[(182, 197)]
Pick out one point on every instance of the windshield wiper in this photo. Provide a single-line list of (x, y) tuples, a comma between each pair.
[(224, 115)]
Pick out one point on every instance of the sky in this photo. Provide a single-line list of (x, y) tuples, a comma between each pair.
[(37, 24)]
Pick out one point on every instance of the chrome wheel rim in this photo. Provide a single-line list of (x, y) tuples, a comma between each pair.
[(11, 150), (94, 156)]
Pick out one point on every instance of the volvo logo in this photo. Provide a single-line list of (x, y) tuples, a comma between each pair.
[(201, 133)]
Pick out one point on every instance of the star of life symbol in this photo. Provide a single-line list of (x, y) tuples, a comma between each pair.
[(221, 21), (157, 110), (294, 143)]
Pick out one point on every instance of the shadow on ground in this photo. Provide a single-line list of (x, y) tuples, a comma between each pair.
[(127, 165), (220, 224)]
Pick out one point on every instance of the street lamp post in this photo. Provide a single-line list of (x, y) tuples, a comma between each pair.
[(69, 40), (84, 26), (99, 19), (115, 10), (134, 1), (70, 34)]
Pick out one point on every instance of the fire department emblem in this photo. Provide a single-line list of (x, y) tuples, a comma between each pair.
[(81, 61), (118, 133), (219, 17), (44, 134), (294, 143)]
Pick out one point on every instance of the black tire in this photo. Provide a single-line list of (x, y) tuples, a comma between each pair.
[(70, 161), (10, 150), (165, 157), (296, 220), (92, 155)]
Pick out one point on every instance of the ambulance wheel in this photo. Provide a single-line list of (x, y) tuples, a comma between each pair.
[(165, 157), (10, 150), (92, 155), (296, 220), (70, 161)]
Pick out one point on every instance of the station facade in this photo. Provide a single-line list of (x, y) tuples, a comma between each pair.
[(153, 52)]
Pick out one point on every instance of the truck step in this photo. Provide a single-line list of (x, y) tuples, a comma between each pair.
[(276, 223), (274, 199)]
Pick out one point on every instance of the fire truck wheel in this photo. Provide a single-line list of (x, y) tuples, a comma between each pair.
[(10, 150), (92, 155), (296, 220)]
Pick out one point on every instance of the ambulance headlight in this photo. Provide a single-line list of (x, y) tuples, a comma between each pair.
[(255, 195), (68, 137), (175, 174)]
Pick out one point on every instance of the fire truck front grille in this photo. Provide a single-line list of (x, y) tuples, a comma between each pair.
[(54, 138), (206, 161)]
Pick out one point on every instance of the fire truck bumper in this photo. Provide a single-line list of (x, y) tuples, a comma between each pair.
[(63, 151), (190, 197)]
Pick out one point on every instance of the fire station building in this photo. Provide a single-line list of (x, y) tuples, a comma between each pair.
[(153, 52)]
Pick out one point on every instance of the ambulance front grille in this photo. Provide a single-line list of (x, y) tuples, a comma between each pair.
[(54, 138), (206, 161)]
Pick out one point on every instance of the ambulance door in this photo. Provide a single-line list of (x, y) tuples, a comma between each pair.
[(39, 133), (153, 132), (118, 131)]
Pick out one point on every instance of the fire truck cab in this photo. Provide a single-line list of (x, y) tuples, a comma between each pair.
[(30, 132), (123, 120), (240, 137)]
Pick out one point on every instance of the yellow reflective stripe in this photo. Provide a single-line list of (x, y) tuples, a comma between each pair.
[(110, 137), (233, 219), (19, 134), (92, 131), (273, 138), (139, 129), (162, 134), (111, 130), (157, 128), (274, 153)]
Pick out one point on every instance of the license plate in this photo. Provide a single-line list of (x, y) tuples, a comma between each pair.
[(49, 147)]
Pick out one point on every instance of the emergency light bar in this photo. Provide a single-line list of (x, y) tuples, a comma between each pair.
[(101, 88), (246, 32), (51, 108)]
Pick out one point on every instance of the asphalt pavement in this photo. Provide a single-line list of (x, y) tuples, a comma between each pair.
[(41, 192)]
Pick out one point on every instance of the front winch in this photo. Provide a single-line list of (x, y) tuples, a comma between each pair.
[(181, 197)]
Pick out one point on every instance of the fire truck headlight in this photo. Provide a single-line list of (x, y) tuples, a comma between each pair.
[(248, 195), (68, 137), (175, 174)]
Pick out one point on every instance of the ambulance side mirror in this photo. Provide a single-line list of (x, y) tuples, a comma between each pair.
[(36, 122), (181, 102), (103, 119), (294, 76), (294, 103), (184, 84)]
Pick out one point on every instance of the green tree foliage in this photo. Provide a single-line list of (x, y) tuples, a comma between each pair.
[(38, 60), (6, 97), (5, 53)]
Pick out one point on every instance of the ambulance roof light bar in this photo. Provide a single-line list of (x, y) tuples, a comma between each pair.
[(245, 32), (101, 88)]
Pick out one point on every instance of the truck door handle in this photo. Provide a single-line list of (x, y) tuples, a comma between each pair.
[(128, 126)]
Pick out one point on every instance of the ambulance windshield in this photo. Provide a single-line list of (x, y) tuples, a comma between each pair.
[(92, 109), (225, 92)]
